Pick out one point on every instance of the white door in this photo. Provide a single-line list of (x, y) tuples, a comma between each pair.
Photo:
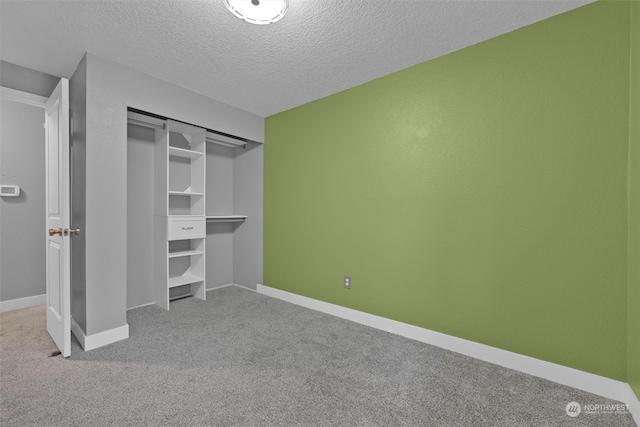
[(58, 212)]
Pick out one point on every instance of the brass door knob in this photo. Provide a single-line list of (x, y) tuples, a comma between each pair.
[(75, 231), (54, 231)]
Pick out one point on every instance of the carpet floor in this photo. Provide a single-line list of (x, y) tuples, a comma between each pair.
[(244, 359)]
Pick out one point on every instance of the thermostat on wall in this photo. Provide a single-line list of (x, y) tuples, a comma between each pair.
[(9, 191)]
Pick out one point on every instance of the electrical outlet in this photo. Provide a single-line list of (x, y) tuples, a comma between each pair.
[(347, 282)]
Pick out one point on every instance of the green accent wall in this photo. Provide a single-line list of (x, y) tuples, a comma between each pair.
[(482, 194), (633, 370)]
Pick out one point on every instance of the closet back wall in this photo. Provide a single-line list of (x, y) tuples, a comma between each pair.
[(140, 238), (219, 242)]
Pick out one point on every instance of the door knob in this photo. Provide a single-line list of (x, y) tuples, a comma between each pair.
[(75, 231), (54, 231)]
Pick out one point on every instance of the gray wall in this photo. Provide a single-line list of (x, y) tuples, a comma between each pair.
[(219, 243), (22, 162), (78, 101), (111, 88), (27, 80), (22, 219)]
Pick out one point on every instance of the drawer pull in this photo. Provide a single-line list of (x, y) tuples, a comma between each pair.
[(187, 228)]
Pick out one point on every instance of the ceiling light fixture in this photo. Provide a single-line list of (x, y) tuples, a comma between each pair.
[(259, 12)]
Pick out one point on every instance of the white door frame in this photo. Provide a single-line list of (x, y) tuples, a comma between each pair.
[(23, 97)]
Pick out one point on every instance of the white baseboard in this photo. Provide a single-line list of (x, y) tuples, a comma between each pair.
[(633, 404), (77, 331), (140, 306), (221, 286), (18, 303), (210, 289), (91, 342), (596, 384)]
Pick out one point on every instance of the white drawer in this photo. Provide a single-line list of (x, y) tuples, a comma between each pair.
[(186, 228)]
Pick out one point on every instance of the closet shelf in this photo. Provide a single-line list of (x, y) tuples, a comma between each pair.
[(185, 279), (181, 152), (226, 218), (185, 253)]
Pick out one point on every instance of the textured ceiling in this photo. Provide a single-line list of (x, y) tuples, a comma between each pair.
[(320, 47)]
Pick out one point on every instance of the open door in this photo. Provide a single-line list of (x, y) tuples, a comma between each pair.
[(57, 207)]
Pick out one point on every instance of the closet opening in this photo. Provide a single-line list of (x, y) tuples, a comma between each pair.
[(194, 210)]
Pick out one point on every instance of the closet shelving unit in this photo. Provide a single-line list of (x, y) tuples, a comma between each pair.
[(180, 167)]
